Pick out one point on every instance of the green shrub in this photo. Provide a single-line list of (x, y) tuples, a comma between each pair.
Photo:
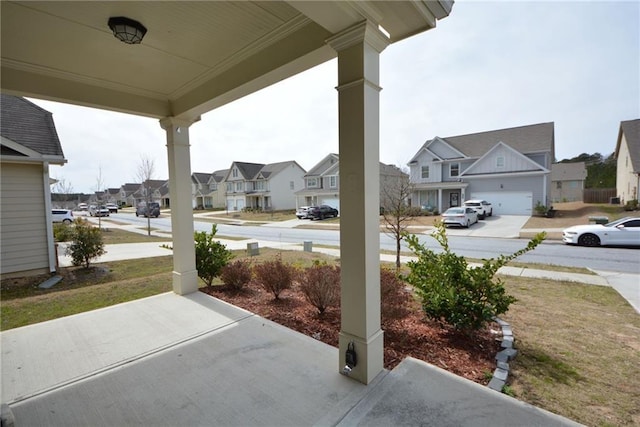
[(62, 232), (87, 243), (394, 297), (631, 205), (274, 276), (211, 255), (236, 274), (320, 284), (451, 292)]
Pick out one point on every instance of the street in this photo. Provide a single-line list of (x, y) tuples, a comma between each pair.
[(621, 260)]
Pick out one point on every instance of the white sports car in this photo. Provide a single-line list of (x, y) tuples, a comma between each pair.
[(623, 232)]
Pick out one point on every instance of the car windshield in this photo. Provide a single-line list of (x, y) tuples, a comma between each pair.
[(454, 211)]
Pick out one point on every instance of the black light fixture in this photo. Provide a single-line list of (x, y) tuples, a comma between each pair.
[(127, 30)]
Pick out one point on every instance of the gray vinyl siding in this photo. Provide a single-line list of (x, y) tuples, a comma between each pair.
[(24, 221), (541, 159)]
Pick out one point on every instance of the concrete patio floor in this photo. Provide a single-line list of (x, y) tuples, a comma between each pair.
[(195, 360)]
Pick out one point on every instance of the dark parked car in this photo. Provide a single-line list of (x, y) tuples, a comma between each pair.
[(153, 211), (322, 212)]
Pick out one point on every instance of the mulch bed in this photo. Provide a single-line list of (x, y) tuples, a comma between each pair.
[(470, 357)]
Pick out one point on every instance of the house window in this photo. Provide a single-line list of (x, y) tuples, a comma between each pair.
[(425, 172), (333, 181), (312, 182), (559, 185), (500, 161), (229, 187), (292, 185), (234, 173), (454, 169), (238, 186), (259, 185), (213, 186)]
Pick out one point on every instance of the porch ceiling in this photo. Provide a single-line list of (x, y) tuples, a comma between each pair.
[(195, 56)]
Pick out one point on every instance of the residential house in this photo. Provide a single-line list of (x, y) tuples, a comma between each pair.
[(509, 167), (322, 183), (263, 186), (127, 192), (567, 181), (163, 192), (29, 144), (217, 189), (200, 190), (627, 155), (111, 195), (152, 187)]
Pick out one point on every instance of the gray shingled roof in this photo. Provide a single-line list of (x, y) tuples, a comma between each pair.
[(219, 176), (25, 123), (568, 171), (525, 139), (200, 177), (249, 170), (631, 131)]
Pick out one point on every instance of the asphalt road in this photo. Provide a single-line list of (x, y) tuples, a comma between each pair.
[(621, 260)]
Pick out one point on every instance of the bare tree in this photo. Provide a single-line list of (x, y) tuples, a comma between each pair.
[(99, 191), (145, 172), (396, 212), (64, 190)]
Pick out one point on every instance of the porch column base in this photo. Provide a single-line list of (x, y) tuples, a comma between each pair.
[(369, 353), (185, 282)]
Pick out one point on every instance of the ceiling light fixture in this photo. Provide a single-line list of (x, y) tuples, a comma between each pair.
[(127, 30)]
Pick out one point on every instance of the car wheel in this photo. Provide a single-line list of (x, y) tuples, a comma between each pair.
[(589, 240), (66, 221), (321, 216), (481, 216), (467, 226), (136, 213)]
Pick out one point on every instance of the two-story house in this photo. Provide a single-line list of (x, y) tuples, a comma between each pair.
[(127, 193), (208, 189), (150, 189), (322, 183), (567, 181), (263, 186), (627, 155), (509, 168)]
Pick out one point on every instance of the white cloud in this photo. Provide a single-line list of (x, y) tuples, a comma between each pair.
[(489, 65)]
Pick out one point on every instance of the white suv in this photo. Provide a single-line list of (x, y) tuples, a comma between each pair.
[(482, 207), (62, 215)]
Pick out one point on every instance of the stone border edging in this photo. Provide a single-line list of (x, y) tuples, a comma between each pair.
[(503, 357)]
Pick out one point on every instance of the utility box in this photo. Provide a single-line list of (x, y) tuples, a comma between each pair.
[(308, 246), (253, 249)]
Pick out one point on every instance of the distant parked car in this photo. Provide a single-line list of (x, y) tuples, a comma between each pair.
[(322, 212), (62, 215), (83, 207), (113, 208), (482, 207), (303, 212), (462, 216), (98, 210), (153, 211), (622, 232)]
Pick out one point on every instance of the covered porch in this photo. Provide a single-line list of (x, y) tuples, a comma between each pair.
[(439, 196)]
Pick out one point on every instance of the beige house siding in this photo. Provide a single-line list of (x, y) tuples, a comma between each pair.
[(626, 180), (24, 219)]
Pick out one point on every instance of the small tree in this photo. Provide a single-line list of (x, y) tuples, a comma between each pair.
[(99, 192), (320, 284), (274, 276), (236, 274), (211, 255), (145, 172), (64, 190), (451, 292), (396, 212), (87, 243)]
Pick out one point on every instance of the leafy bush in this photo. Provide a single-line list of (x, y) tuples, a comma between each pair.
[(320, 284), (274, 276), (451, 292), (631, 205), (62, 232), (394, 297), (211, 255), (236, 274), (87, 243)]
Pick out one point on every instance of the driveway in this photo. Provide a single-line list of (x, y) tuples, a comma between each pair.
[(505, 226)]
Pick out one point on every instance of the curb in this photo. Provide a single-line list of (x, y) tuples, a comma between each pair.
[(503, 357)]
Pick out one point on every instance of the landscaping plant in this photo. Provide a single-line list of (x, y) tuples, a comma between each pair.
[(211, 255), (453, 293), (394, 297), (62, 232), (236, 274), (274, 276), (87, 243), (320, 285)]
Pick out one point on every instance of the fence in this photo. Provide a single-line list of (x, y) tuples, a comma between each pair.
[(598, 195)]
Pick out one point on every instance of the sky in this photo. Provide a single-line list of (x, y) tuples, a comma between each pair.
[(488, 66)]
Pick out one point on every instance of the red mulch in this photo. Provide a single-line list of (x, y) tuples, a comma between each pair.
[(415, 336)]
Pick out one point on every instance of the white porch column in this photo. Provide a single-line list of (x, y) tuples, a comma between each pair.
[(185, 275), (358, 98), (440, 206)]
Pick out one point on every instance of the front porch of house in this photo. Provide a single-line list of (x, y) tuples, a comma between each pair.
[(438, 197)]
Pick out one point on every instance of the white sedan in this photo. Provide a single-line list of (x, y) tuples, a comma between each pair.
[(462, 216), (623, 232)]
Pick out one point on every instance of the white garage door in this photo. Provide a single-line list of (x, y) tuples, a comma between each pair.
[(334, 203), (509, 202)]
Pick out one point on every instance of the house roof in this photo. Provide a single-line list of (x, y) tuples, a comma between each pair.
[(249, 170), (274, 168), (200, 177), (219, 175), (130, 188), (568, 171), (631, 131), (29, 125), (319, 170), (525, 139)]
